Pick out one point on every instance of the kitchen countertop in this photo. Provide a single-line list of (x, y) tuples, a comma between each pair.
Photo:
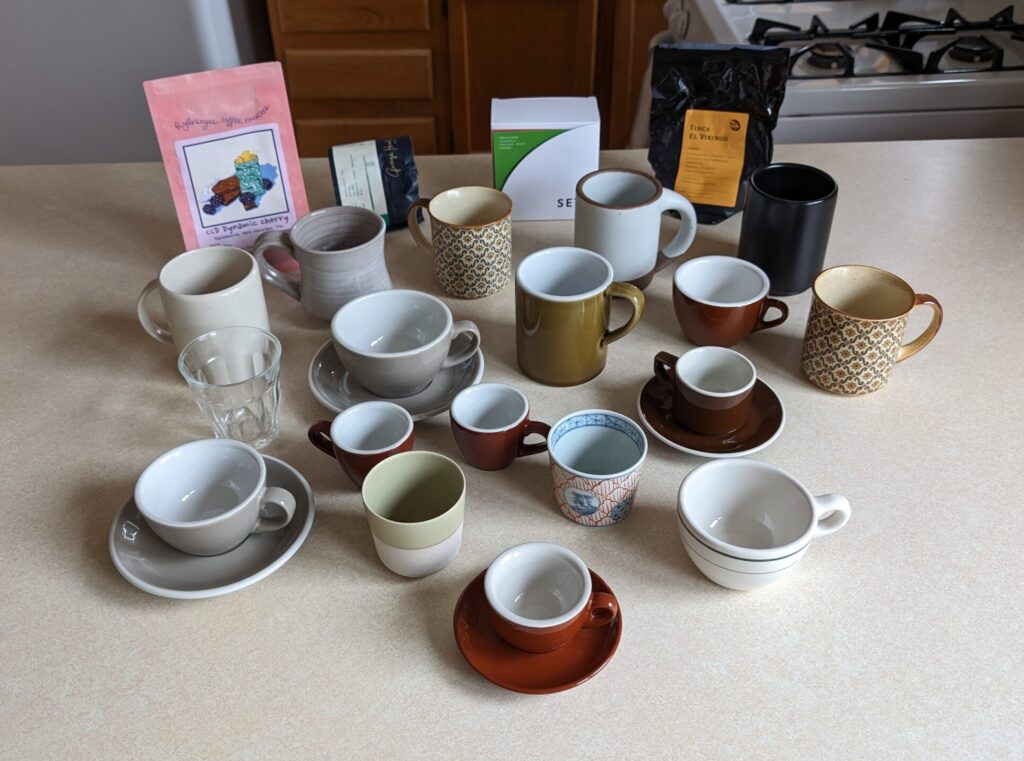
[(901, 636)]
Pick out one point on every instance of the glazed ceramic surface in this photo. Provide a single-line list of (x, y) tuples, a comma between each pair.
[(711, 388), (596, 458), (490, 422), (855, 329), (363, 435), (720, 300), (396, 342), (618, 215), (205, 289), (563, 304), (734, 573), (422, 561), (514, 669), (471, 239), (152, 565), (340, 251)]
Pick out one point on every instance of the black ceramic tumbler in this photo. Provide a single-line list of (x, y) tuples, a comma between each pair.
[(786, 222)]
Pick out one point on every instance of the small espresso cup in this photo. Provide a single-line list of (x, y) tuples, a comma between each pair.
[(563, 306), (618, 215), (205, 289), (490, 422), (540, 596), (395, 342), (363, 435), (712, 388), (207, 496), (596, 458), (720, 300), (855, 329), (471, 239), (340, 251)]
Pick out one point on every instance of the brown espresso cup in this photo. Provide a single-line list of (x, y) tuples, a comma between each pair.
[(490, 422), (712, 388), (364, 435), (720, 300)]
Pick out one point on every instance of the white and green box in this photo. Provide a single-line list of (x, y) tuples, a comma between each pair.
[(540, 147)]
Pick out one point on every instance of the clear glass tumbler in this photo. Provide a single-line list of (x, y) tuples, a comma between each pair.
[(233, 373)]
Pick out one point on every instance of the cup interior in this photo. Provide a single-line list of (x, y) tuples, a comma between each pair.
[(470, 206), (597, 444), (564, 273), (793, 182), (413, 487), (227, 356), (198, 481), (391, 322), (722, 281), (716, 371), (489, 407), (618, 188), (204, 271), (337, 228), (537, 585), (864, 292), (371, 427)]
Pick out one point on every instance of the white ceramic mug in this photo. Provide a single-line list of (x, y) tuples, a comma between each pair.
[(207, 496), (205, 289), (618, 215)]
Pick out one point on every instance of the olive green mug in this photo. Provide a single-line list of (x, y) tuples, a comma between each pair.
[(563, 305)]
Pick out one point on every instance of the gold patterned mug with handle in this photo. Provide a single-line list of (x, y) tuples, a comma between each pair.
[(470, 239), (855, 330)]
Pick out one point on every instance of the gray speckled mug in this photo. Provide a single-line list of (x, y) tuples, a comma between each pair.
[(340, 251)]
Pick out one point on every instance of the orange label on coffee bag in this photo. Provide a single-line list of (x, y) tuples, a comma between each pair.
[(711, 156)]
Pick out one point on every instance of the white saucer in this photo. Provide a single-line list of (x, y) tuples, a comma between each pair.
[(336, 390), (153, 566)]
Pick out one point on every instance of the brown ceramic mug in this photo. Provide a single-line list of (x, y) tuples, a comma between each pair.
[(712, 388), (363, 435), (490, 422), (720, 300)]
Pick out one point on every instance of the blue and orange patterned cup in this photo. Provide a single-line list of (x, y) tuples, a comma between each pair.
[(596, 458)]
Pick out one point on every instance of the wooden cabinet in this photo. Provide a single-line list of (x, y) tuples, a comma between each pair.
[(365, 69)]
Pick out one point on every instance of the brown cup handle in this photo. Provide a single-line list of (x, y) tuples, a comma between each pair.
[(762, 323), (414, 225), (912, 348), (541, 429), (320, 436), (663, 360), (603, 610), (634, 296)]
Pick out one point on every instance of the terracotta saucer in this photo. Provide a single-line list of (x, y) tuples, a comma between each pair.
[(514, 669), (767, 417)]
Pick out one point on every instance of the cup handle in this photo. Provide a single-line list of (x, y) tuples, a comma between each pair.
[(460, 327), (603, 610), (762, 323), (414, 225), (672, 201), (912, 348), (279, 498), (272, 275), (836, 511), (159, 332), (320, 436), (634, 296), (664, 366), (541, 429)]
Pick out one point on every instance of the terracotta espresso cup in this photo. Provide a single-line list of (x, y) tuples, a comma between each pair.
[(490, 422), (363, 435)]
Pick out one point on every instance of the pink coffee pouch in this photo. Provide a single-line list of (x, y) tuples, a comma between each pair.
[(229, 149)]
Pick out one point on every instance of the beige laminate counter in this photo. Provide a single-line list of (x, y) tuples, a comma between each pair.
[(901, 636)]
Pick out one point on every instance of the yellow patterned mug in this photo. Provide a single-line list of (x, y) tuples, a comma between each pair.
[(855, 330)]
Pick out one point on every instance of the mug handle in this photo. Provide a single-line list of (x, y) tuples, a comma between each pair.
[(663, 360), (279, 498), (272, 275), (912, 348), (836, 511), (320, 436), (159, 332), (541, 429), (413, 223), (634, 296), (603, 610), (762, 323), (672, 201), (460, 327)]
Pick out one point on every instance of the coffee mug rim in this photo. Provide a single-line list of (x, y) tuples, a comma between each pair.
[(717, 350), (885, 273), (378, 404), (394, 461), (536, 548), (732, 262), (492, 191), (204, 251), (328, 211), (390, 293), (658, 189), (192, 381), (160, 461), (475, 389), (793, 165), (594, 411), (609, 275)]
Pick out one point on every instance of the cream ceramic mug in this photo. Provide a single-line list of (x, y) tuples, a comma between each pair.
[(205, 289)]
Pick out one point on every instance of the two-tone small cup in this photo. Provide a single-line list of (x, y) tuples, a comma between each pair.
[(490, 422), (364, 435), (712, 388)]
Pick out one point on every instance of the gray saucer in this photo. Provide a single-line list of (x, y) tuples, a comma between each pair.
[(155, 567), (336, 390)]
